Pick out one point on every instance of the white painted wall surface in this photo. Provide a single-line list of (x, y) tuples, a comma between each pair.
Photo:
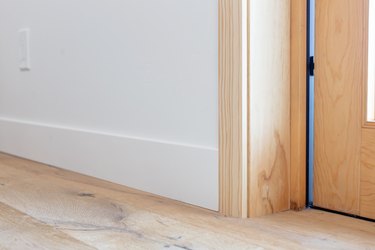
[(125, 90)]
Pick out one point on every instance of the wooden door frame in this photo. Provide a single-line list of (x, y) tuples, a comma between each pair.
[(298, 173), (233, 103)]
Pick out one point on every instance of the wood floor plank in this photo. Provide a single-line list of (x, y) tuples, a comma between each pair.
[(20, 231), (318, 229), (101, 217), (109, 216)]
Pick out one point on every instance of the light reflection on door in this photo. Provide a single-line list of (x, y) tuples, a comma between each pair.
[(371, 64)]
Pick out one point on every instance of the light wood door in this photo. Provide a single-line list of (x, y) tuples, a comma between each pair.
[(344, 164)]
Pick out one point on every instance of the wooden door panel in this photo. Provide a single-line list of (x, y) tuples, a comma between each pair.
[(367, 193), (338, 89)]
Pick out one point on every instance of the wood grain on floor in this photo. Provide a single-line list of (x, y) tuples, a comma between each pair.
[(43, 207)]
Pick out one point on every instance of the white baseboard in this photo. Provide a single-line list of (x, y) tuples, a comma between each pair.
[(182, 172)]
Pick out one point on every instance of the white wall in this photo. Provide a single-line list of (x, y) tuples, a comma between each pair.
[(125, 90)]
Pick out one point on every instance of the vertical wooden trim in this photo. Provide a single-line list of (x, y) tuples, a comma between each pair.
[(232, 111), (269, 105), (298, 104)]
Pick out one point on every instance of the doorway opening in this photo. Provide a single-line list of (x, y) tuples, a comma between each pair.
[(339, 35)]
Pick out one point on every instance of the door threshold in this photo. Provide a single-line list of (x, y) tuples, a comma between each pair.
[(341, 213)]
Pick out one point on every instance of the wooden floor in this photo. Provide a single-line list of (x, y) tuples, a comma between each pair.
[(43, 207)]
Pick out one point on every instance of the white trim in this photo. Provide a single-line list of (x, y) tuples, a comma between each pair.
[(182, 172)]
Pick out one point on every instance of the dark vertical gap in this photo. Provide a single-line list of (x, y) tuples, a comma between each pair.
[(310, 36), (308, 106)]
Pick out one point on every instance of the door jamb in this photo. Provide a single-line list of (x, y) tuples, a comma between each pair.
[(233, 99)]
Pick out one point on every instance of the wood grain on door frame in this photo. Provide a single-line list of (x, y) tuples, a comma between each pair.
[(235, 151), (269, 120), (298, 104), (233, 108)]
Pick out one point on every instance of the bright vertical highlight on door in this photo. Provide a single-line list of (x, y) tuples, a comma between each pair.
[(371, 64)]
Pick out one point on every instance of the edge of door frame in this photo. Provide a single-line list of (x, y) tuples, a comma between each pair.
[(298, 168), (233, 102)]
